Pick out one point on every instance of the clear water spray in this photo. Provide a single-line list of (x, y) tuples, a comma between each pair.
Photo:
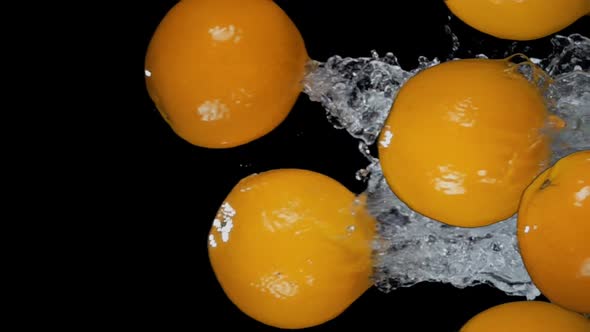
[(358, 93)]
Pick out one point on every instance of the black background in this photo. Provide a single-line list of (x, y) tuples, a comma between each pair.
[(171, 190)]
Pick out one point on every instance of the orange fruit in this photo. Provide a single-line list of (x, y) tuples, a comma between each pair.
[(463, 140), (519, 20), (292, 248), (225, 72), (523, 316), (554, 232)]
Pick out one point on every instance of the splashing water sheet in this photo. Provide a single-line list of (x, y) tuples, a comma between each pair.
[(358, 93)]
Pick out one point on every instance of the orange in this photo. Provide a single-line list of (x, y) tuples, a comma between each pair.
[(463, 140), (554, 232), (225, 72), (519, 19), (292, 248), (523, 316)]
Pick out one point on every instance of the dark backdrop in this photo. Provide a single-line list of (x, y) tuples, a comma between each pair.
[(170, 190)]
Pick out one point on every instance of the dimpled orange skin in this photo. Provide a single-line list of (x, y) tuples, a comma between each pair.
[(463, 141), (527, 316), (554, 232), (519, 19), (298, 251), (225, 72)]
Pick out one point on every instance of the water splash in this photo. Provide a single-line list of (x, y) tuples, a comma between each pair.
[(357, 95), (414, 248), (455, 44), (570, 100), (570, 53)]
